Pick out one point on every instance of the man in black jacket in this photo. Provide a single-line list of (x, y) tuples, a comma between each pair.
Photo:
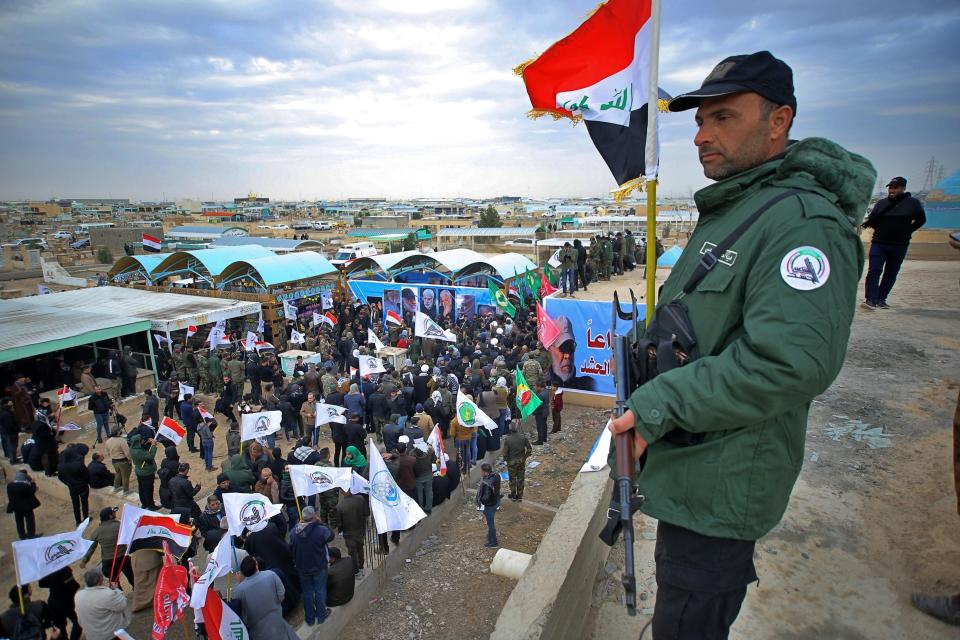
[(379, 409), (151, 406), (893, 220), (73, 473), (100, 476), (9, 431), (21, 501), (182, 492), (100, 405), (228, 398)]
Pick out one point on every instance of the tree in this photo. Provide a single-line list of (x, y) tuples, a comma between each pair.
[(410, 242), (490, 218), (104, 256), (416, 215)]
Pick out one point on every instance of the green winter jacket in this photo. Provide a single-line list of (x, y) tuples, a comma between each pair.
[(771, 337), (142, 458)]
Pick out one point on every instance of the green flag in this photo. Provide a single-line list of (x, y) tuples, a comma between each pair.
[(500, 299), (532, 282), (550, 273), (521, 288), (527, 400)]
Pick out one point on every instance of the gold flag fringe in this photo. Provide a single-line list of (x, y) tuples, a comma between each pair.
[(663, 106), (593, 11), (518, 70), (620, 193), (574, 118)]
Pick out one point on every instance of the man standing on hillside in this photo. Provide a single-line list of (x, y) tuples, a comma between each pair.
[(771, 315), (893, 220)]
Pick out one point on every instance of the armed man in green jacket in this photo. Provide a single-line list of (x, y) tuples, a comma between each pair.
[(771, 319)]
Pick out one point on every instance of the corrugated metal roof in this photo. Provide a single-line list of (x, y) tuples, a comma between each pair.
[(452, 260), (147, 262), (286, 268), (383, 263), (379, 231), (213, 260), (164, 311), (487, 232), (506, 265), (282, 244), (31, 326)]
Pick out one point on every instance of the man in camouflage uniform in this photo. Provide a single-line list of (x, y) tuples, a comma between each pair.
[(532, 371), (189, 367), (543, 357), (328, 382), (607, 258), (203, 374), (516, 450), (215, 367), (179, 364), (237, 371)]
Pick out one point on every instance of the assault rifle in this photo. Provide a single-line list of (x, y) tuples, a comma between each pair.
[(624, 503)]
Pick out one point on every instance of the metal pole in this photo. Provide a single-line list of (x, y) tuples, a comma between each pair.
[(652, 159), (153, 358)]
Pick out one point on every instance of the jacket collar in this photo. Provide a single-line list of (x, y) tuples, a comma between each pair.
[(715, 197)]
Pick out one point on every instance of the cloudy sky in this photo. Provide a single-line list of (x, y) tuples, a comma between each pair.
[(211, 99)]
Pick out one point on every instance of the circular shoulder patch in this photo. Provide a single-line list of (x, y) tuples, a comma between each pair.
[(805, 268)]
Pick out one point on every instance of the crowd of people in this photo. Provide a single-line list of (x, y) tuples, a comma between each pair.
[(293, 559)]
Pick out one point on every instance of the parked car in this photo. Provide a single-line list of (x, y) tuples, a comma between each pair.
[(280, 226), (263, 226), (322, 226), (63, 235), (302, 225), (350, 252), (81, 244), (30, 243)]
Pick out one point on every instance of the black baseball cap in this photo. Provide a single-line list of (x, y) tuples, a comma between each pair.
[(758, 72), (899, 181), (107, 512)]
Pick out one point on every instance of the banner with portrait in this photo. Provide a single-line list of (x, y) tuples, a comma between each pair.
[(582, 356), (439, 302)]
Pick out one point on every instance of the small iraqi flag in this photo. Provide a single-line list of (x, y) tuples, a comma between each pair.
[(394, 317), (191, 330), (153, 531), (329, 319), (151, 243), (171, 430), (602, 74)]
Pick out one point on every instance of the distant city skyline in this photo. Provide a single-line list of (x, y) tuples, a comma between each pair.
[(209, 100)]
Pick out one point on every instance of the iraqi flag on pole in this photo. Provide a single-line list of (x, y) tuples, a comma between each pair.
[(191, 330), (153, 531), (394, 317), (220, 621), (392, 509), (171, 430), (150, 243), (605, 73), (66, 394), (329, 319)]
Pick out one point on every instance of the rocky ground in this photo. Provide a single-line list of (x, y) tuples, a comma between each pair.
[(873, 516)]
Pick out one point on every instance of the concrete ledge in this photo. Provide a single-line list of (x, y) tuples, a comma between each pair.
[(337, 624), (552, 600)]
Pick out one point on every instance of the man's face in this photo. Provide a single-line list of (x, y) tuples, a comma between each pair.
[(733, 135), (895, 191), (562, 355), (214, 505), (427, 297)]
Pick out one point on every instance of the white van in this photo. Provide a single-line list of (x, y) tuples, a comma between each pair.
[(302, 225), (350, 252), (31, 243), (322, 226)]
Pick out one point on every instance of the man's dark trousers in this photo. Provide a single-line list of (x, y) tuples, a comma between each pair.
[(701, 583), (885, 259)]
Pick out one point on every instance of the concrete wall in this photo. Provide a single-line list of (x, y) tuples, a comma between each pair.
[(552, 599)]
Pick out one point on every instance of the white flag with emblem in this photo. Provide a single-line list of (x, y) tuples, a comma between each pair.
[(259, 425), (327, 413), (309, 480), (184, 390), (326, 299), (296, 337), (289, 310), (248, 510), (470, 415), (39, 557), (251, 342), (359, 484), (392, 509), (370, 365), (317, 319), (427, 328), (374, 340), (218, 564)]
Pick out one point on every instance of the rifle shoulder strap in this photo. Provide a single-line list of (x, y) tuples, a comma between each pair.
[(710, 259)]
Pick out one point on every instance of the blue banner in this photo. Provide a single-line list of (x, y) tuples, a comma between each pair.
[(582, 357), (437, 301)]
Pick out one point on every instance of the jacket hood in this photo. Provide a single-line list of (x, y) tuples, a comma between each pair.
[(303, 528), (237, 463), (847, 175), (813, 164), (135, 440), (171, 453)]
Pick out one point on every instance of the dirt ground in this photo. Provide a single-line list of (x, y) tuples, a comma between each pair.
[(865, 526), (446, 590)]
